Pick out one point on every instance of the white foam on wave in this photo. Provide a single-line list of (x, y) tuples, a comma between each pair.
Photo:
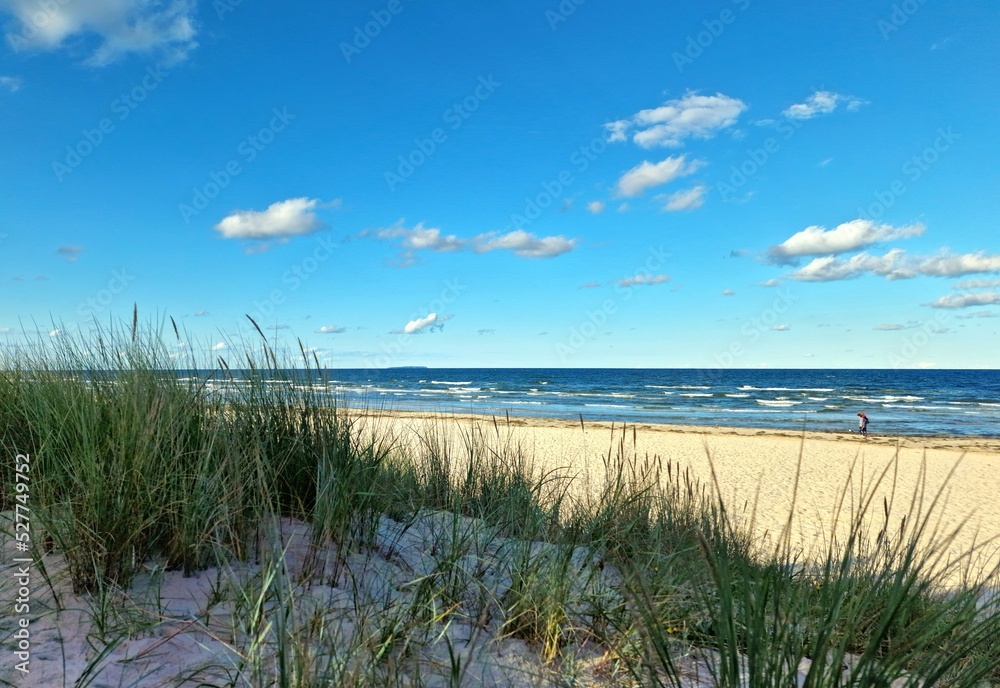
[(678, 387), (888, 399), (749, 410), (786, 389), (778, 402)]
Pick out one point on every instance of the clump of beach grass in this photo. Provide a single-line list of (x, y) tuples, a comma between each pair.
[(138, 465)]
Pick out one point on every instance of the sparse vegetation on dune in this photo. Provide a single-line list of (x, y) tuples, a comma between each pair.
[(326, 553)]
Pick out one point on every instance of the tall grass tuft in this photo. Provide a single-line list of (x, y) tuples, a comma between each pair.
[(137, 462)]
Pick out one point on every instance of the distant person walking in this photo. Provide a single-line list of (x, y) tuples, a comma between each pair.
[(863, 424)]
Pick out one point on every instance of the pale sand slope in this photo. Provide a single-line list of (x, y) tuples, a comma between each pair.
[(758, 467), (187, 632)]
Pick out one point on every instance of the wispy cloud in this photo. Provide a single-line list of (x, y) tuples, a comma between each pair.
[(165, 28), (647, 175), (689, 199), (821, 103), (849, 236), (728, 292), (430, 323), (421, 238), (896, 264), (595, 207), (670, 124), (519, 242), (642, 280), (977, 284), (781, 328), (10, 84), (281, 220), (524, 244), (330, 329), (985, 298), (72, 253)]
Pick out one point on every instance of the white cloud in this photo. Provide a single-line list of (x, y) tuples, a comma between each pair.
[(950, 265), (670, 124), (221, 346), (771, 283), (643, 279), (977, 284), (781, 328), (200, 314), (897, 265), (980, 314), (431, 323), (595, 207), (889, 327), (985, 298), (590, 285), (686, 200), (294, 217), (728, 292), (421, 238), (161, 27), (330, 329), (829, 268), (56, 333), (817, 241), (646, 175), (10, 83), (524, 244), (821, 103)]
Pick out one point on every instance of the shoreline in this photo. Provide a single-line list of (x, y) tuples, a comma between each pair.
[(975, 444)]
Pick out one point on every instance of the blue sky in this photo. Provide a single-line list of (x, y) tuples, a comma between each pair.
[(574, 184)]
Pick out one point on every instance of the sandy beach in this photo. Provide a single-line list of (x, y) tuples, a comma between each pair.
[(759, 473), (188, 629)]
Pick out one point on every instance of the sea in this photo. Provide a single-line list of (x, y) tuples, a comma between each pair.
[(898, 402)]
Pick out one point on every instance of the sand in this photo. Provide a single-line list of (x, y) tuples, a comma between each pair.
[(762, 475)]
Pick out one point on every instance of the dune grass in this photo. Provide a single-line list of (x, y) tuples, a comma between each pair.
[(135, 469)]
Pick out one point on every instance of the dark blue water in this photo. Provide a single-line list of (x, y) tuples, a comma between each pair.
[(898, 402)]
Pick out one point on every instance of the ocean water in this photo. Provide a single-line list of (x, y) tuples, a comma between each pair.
[(898, 402)]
